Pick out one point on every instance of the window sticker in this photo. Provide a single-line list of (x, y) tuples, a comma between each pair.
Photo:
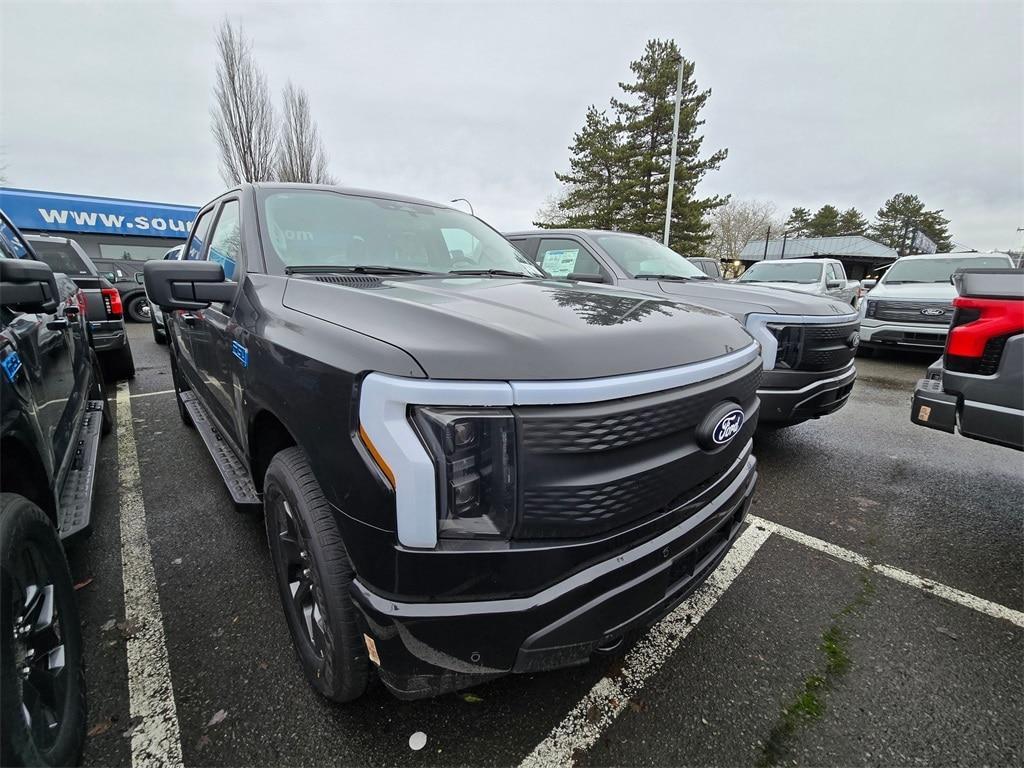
[(560, 263)]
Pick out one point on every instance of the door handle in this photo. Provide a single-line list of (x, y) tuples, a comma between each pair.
[(189, 319), (58, 324)]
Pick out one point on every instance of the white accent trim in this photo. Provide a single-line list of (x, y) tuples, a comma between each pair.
[(630, 385), (383, 412), (992, 407), (757, 325), (850, 369)]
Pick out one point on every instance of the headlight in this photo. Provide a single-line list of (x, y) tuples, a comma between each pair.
[(869, 307), (474, 453)]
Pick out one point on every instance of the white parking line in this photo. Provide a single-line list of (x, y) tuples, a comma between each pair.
[(156, 738), (897, 574), (150, 394), (583, 726)]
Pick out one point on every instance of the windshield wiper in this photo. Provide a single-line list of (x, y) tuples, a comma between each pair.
[(360, 269), (495, 272), (648, 276)]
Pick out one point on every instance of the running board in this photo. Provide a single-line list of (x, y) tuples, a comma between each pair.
[(236, 476), (75, 509)]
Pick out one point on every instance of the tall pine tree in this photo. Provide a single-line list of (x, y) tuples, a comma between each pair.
[(646, 114), (824, 223), (798, 221), (902, 216), (852, 222)]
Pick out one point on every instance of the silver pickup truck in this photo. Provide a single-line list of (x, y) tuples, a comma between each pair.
[(821, 277), (977, 387)]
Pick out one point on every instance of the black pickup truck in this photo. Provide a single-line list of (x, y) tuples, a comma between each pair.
[(466, 469), (54, 410), (807, 342)]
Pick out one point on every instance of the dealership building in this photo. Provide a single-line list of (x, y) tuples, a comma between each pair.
[(106, 227)]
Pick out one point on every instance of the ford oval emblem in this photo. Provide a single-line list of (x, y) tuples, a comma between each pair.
[(727, 427), (933, 311)]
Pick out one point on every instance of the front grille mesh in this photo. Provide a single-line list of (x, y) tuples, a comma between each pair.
[(911, 311)]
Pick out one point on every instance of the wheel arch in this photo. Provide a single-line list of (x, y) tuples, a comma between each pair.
[(25, 474), (268, 436)]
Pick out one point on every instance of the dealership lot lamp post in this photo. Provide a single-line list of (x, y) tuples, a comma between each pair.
[(464, 200)]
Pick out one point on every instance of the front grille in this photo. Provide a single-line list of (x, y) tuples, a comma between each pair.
[(588, 469), (815, 347), (911, 311)]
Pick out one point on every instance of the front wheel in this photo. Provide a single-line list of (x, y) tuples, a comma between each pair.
[(313, 576), (137, 308), (42, 686)]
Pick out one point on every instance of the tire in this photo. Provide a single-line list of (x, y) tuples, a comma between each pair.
[(137, 308), (335, 662), (160, 337), (120, 363), (179, 387), (32, 556), (99, 392)]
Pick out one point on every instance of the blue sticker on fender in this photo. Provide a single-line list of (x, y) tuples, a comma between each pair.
[(241, 353), (11, 364)]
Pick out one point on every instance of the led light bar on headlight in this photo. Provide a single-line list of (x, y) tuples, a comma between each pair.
[(474, 453)]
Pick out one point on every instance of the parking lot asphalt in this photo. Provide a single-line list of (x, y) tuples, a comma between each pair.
[(805, 655)]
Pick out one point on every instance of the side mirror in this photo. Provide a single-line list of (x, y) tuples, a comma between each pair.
[(867, 285), (186, 284), (833, 283), (28, 285), (140, 278), (583, 277)]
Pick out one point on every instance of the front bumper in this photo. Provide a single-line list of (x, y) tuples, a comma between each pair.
[(428, 648), (789, 397), (882, 334), (107, 335)]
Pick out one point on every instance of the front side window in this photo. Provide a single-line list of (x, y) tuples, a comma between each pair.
[(781, 272), (322, 229), (939, 270), (561, 258), (61, 257), (643, 257), (11, 243), (226, 241), (197, 245), (832, 274)]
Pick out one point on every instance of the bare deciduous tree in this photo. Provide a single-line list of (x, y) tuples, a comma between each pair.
[(243, 114), (300, 154), (738, 222)]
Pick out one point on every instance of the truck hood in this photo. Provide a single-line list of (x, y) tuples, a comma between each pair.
[(741, 300), (794, 287), (914, 292), (504, 329)]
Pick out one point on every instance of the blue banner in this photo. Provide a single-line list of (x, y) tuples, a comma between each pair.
[(56, 212)]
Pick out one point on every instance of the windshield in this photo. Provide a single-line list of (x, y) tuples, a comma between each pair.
[(639, 256), (937, 270), (781, 272), (60, 257), (317, 228)]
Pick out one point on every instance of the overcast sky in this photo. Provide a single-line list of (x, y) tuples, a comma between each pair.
[(844, 103)]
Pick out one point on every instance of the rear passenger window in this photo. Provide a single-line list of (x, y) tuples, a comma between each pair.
[(561, 258), (226, 240), (197, 245), (11, 244)]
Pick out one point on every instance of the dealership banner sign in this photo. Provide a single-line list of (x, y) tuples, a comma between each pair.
[(57, 212)]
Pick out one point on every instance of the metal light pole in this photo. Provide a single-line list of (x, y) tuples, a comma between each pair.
[(464, 200), (672, 164)]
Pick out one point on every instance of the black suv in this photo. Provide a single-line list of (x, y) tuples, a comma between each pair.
[(103, 308), (807, 342), (54, 410), (466, 469)]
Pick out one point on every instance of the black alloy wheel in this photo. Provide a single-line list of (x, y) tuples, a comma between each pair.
[(138, 308), (43, 696), (295, 560)]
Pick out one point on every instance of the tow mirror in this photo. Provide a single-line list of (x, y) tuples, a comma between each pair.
[(28, 285), (140, 278), (584, 277), (868, 284), (833, 284), (187, 284)]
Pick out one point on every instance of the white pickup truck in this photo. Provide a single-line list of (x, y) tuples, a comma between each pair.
[(822, 277)]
